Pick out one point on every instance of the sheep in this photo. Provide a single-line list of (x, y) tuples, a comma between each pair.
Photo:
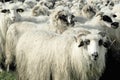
[(9, 16), (76, 9), (83, 57), (48, 3), (88, 11), (61, 19), (58, 24), (30, 3), (40, 9), (101, 21)]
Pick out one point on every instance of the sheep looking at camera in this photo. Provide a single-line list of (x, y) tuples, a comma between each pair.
[(83, 57)]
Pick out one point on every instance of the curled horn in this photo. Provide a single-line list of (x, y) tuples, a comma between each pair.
[(99, 13)]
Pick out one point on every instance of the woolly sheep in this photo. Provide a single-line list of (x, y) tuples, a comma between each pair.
[(88, 11), (30, 3), (40, 10), (104, 23), (8, 16), (58, 24), (43, 61)]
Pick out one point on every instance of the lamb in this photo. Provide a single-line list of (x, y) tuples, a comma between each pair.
[(83, 57), (58, 24)]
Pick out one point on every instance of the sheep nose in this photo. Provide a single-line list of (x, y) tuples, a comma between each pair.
[(13, 18), (115, 25), (95, 55)]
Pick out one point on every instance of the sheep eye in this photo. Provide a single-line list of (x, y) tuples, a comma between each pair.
[(107, 18), (114, 15), (20, 10), (100, 42), (112, 4), (63, 17), (72, 16), (81, 44), (106, 44), (87, 42), (5, 11), (108, 1)]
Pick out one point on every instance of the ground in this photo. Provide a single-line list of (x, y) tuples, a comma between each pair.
[(8, 75)]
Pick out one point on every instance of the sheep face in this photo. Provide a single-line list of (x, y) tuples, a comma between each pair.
[(88, 11), (30, 3), (95, 45), (107, 20), (62, 17), (66, 18), (13, 13)]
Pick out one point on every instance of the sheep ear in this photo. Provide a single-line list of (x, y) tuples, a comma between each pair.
[(5, 11), (103, 34), (20, 10)]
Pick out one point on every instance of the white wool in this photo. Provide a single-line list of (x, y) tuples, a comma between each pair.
[(57, 57), (16, 30)]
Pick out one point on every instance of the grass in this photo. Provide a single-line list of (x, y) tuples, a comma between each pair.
[(8, 76)]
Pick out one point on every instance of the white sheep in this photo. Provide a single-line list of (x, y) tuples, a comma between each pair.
[(60, 57), (48, 3), (105, 23), (30, 3), (60, 21), (88, 11), (8, 16), (40, 9), (101, 21)]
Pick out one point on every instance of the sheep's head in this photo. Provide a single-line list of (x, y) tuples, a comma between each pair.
[(88, 11), (49, 4), (12, 12), (63, 17), (40, 10), (108, 21), (94, 44), (30, 3)]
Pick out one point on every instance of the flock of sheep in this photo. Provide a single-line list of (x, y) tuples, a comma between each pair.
[(58, 39)]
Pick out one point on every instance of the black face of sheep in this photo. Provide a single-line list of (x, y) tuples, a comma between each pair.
[(108, 19), (68, 19), (63, 18)]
